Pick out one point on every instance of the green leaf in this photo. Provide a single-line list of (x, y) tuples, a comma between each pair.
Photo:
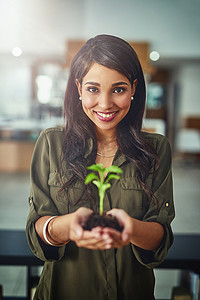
[(113, 169), (99, 180), (90, 177), (105, 186), (97, 183), (112, 176), (97, 167)]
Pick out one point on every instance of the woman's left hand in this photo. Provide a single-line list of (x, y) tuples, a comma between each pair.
[(119, 239)]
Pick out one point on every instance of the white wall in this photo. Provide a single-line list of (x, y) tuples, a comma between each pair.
[(189, 82), (188, 140), (40, 26), (171, 26), (43, 26), (15, 87)]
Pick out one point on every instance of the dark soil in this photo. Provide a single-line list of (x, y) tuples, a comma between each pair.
[(95, 220)]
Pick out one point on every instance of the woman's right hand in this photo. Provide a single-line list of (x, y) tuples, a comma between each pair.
[(83, 238)]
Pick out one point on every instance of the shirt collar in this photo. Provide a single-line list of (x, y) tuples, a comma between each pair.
[(119, 158)]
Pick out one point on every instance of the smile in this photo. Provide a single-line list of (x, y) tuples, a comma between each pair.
[(106, 116)]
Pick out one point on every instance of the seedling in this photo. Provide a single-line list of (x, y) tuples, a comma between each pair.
[(102, 181)]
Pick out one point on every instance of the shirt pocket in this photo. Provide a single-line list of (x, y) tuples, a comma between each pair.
[(59, 197), (77, 197), (71, 198), (132, 197), (54, 181)]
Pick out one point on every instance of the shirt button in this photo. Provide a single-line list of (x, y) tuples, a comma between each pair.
[(167, 204)]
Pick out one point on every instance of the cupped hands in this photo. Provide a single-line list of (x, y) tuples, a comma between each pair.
[(99, 238)]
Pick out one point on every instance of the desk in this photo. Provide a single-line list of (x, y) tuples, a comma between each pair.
[(14, 250)]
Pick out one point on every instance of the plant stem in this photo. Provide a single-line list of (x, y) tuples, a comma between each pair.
[(101, 195)]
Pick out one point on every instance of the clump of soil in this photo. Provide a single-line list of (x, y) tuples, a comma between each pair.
[(95, 220)]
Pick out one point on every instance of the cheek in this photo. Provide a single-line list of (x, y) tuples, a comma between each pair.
[(88, 102), (124, 102)]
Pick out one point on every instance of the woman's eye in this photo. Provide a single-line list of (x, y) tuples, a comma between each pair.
[(92, 89), (119, 90)]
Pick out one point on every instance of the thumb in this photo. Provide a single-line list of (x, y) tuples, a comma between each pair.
[(79, 231), (125, 236)]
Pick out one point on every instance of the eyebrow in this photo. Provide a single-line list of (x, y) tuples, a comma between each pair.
[(114, 84), (120, 83), (92, 83)]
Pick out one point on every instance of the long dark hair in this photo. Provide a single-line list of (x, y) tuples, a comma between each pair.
[(114, 53)]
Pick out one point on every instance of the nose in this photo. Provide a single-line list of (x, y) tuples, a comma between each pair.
[(105, 101)]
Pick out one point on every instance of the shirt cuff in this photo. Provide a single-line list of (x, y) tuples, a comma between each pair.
[(152, 259)]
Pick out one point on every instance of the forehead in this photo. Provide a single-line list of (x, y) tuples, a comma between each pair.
[(102, 74)]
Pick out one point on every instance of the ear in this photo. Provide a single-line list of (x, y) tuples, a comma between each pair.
[(79, 87), (135, 82)]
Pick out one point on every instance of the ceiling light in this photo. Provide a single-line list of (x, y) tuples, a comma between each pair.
[(154, 55), (16, 51)]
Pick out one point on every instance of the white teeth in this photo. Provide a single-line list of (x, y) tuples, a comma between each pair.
[(105, 115)]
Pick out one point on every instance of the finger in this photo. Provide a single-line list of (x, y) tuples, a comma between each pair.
[(125, 237), (93, 243), (115, 235), (91, 235), (99, 246), (76, 232), (113, 212), (97, 231), (110, 231), (94, 240)]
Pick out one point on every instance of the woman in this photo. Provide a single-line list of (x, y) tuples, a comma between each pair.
[(104, 107)]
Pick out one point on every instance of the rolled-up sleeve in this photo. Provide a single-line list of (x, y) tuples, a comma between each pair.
[(40, 201), (161, 209)]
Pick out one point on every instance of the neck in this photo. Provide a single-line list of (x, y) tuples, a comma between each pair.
[(106, 136), (106, 142)]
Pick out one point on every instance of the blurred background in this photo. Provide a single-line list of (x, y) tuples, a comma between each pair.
[(37, 42)]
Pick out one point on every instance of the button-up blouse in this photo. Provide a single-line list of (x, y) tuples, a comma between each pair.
[(73, 273)]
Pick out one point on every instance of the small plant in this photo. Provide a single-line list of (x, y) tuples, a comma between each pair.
[(101, 181)]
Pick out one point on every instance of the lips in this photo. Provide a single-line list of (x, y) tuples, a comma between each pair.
[(106, 117)]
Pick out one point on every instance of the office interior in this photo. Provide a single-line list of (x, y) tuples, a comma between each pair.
[(37, 42)]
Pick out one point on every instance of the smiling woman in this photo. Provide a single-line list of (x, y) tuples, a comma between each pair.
[(106, 96), (103, 128)]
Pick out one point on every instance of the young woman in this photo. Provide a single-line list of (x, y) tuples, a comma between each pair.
[(104, 107)]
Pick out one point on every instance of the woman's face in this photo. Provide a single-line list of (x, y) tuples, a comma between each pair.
[(106, 96)]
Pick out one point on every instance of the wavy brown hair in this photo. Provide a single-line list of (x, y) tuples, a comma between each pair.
[(114, 53)]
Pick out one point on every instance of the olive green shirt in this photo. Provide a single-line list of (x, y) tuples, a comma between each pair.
[(76, 273)]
